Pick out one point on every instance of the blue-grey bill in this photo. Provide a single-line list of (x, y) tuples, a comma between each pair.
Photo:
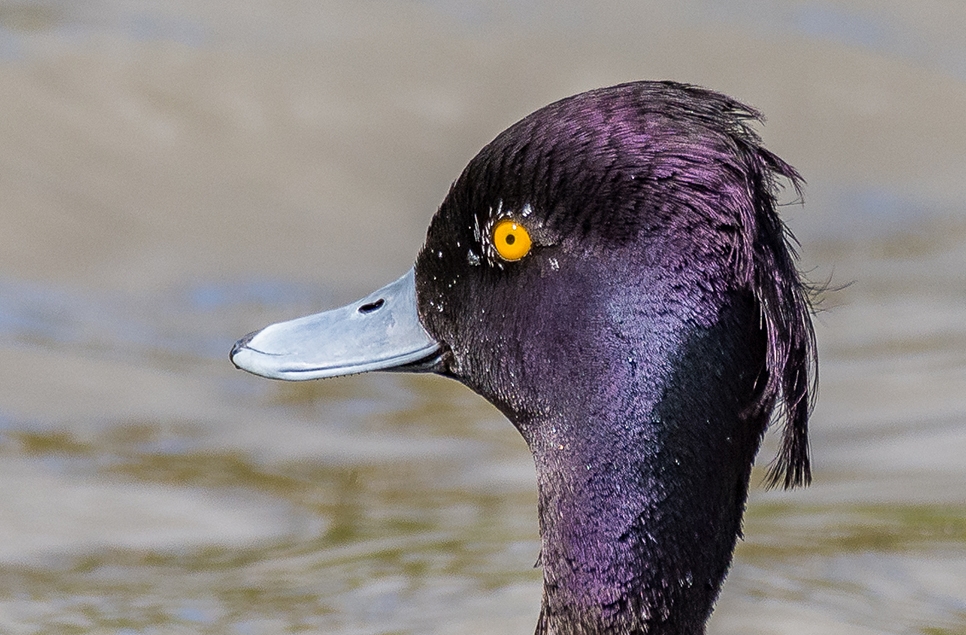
[(379, 332)]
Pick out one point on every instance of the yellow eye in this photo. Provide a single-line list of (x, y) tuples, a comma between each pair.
[(511, 240)]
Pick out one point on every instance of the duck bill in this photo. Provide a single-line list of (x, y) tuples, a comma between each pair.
[(381, 331)]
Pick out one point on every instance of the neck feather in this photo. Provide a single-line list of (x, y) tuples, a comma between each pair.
[(642, 485)]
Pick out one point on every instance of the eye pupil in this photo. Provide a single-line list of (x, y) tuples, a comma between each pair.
[(510, 239)]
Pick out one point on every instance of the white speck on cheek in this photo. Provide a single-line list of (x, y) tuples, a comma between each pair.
[(554, 264), (472, 258), (439, 253), (527, 210)]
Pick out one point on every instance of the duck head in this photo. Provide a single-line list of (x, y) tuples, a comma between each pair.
[(611, 273)]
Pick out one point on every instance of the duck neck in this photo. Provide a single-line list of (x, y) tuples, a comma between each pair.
[(642, 485)]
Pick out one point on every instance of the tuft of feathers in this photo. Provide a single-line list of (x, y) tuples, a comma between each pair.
[(785, 300), (766, 264), (747, 181)]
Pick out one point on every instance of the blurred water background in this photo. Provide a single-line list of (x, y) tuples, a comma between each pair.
[(175, 174)]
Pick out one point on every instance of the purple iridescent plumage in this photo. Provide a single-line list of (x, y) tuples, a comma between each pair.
[(642, 346)]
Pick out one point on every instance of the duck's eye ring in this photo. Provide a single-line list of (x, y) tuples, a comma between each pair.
[(511, 240)]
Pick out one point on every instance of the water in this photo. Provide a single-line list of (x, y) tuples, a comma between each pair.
[(175, 175)]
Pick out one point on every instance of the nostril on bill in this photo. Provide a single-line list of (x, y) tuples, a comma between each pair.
[(371, 306)]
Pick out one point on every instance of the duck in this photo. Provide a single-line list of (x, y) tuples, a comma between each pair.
[(611, 273)]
